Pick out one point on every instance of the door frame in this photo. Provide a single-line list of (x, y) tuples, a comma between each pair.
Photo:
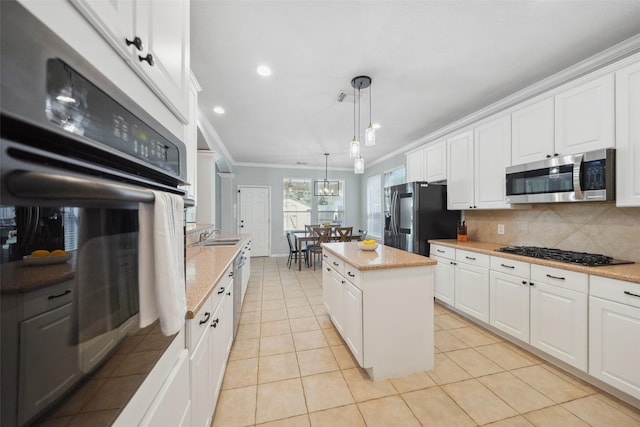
[(239, 211)]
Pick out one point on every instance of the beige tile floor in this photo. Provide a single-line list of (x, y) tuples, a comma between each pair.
[(289, 367)]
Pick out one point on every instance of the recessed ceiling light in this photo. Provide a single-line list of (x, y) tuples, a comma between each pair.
[(376, 125), (218, 110), (264, 71)]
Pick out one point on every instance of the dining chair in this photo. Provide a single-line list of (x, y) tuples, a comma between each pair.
[(344, 233), (308, 229), (322, 234), (293, 252)]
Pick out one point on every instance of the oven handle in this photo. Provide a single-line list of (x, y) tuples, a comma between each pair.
[(52, 186)]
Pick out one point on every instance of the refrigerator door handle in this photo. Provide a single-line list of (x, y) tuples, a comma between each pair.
[(394, 216)]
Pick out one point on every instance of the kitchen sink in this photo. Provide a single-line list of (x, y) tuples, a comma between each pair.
[(219, 242)]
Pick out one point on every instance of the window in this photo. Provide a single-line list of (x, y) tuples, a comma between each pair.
[(374, 205), (331, 208), (296, 203), (395, 176)]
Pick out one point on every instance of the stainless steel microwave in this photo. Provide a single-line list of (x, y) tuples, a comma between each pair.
[(584, 177)]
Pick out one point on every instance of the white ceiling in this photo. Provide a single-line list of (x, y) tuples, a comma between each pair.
[(432, 62)]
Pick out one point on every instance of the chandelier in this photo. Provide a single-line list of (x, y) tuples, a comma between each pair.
[(326, 187)]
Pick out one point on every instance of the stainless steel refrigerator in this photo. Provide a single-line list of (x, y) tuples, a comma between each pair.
[(416, 212)]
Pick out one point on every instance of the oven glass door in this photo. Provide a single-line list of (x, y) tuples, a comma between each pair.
[(69, 293)]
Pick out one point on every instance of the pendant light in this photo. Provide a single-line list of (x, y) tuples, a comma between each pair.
[(360, 82), (354, 148), (370, 133), (358, 166)]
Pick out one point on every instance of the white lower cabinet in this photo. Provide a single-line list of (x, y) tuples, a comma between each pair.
[(210, 335), (472, 284), (509, 297), (614, 330), (385, 316), (352, 325), (559, 314), (443, 273), (172, 405)]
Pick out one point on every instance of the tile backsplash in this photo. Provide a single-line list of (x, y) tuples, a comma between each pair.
[(585, 227)]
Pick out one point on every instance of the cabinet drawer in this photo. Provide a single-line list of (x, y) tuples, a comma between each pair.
[(221, 288), (48, 298), (352, 274), (197, 326), (473, 258), (443, 251), (615, 290), (559, 277), (510, 266), (334, 262)]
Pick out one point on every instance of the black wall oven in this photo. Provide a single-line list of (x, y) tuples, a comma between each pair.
[(77, 157)]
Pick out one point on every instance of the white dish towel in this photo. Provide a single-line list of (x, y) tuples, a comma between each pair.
[(161, 263)]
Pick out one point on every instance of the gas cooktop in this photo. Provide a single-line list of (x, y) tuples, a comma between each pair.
[(580, 258)]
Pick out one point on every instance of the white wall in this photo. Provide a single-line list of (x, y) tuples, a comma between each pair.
[(271, 176)]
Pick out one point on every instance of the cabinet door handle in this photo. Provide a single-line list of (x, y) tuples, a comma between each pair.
[(230, 274), (440, 250), (524, 282), (67, 292), (325, 256), (350, 274), (342, 281), (626, 293), (555, 277), (471, 258), (148, 58), (207, 315), (328, 269), (215, 323), (221, 291), (335, 263), (507, 266), (229, 293), (531, 284), (137, 42)]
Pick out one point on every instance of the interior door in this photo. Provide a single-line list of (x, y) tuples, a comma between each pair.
[(255, 217)]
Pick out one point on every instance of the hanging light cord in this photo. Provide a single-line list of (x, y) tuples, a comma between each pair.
[(370, 98)]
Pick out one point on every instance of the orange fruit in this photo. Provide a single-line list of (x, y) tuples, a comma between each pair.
[(58, 252), (40, 253)]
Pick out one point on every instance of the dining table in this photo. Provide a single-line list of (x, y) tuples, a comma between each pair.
[(304, 237)]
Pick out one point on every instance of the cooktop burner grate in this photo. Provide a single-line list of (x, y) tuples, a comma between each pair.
[(581, 258)]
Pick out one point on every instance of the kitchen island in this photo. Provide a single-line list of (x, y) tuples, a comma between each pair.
[(381, 302)]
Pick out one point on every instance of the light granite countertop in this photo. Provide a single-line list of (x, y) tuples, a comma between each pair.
[(206, 265), (628, 272), (383, 257)]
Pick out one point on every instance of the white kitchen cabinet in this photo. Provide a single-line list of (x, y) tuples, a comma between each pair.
[(162, 56), (416, 166), (200, 373), (559, 314), (476, 162), (443, 273), (492, 154), (509, 297), (191, 140), (221, 338), (435, 160), (532, 132), (460, 186), (584, 117), (332, 290), (172, 405), (352, 326), (472, 284), (614, 328), (628, 136)]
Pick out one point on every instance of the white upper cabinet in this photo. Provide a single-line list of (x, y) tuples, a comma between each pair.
[(628, 135), (460, 171), (435, 160), (584, 117), (492, 154), (532, 132), (153, 37), (476, 162), (416, 166)]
